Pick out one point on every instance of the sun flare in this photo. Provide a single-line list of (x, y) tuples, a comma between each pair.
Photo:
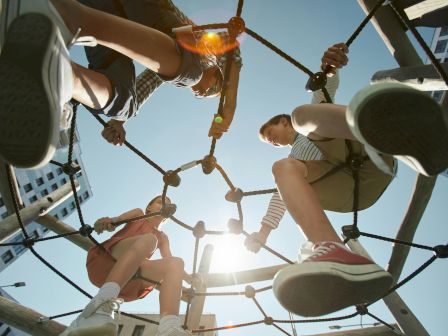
[(229, 254)]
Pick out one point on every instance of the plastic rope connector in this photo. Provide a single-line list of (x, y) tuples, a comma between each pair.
[(86, 230), (268, 320), (351, 232), (235, 226), (362, 310), (199, 230), (29, 242), (168, 210), (71, 168), (236, 26), (249, 292), (171, 178), (316, 82), (234, 195), (189, 293), (441, 251), (208, 164)]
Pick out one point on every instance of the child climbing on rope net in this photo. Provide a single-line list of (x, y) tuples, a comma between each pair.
[(38, 77), (331, 143), (123, 270)]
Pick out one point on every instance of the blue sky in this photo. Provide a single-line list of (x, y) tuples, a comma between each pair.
[(172, 130)]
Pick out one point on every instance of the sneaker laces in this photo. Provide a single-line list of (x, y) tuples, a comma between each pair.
[(321, 250)]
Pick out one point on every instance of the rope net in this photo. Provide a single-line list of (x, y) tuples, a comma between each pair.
[(235, 195)]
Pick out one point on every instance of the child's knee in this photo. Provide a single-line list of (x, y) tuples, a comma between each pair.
[(175, 263), (299, 117), (146, 242), (288, 167)]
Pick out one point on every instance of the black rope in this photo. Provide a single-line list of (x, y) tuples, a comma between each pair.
[(260, 192), (267, 248), (234, 326), (72, 132), (134, 149), (240, 8), (279, 52), (401, 242), (330, 319), (281, 329), (226, 178), (210, 26), (381, 321), (259, 307)]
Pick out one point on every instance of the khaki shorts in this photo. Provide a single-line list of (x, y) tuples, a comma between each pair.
[(336, 190)]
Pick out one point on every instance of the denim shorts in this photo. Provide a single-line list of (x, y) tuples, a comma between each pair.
[(120, 69)]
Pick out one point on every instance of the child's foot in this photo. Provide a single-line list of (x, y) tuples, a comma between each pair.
[(98, 318), (36, 77), (332, 278), (170, 325), (174, 331), (397, 120)]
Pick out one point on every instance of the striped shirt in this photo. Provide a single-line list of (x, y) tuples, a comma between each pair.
[(148, 81), (302, 149)]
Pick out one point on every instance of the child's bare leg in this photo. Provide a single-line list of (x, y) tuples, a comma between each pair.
[(153, 49), (170, 271), (130, 254), (320, 121), (302, 202), (90, 87)]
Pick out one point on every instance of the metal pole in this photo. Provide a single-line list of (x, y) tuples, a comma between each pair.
[(10, 225), (197, 303), (406, 320)]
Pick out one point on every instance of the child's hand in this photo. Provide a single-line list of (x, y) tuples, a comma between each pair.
[(335, 57), (164, 242), (114, 132), (254, 241), (104, 223), (217, 129)]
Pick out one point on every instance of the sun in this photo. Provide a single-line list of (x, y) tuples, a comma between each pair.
[(229, 254)]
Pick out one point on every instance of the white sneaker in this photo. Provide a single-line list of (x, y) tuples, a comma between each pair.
[(36, 77), (97, 319), (11, 9), (175, 331), (395, 119)]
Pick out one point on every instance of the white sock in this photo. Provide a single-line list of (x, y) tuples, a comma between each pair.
[(169, 321), (109, 290)]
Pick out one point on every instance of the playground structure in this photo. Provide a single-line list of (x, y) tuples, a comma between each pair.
[(388, 21)]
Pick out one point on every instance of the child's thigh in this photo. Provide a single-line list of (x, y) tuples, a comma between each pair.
[(126, 244)]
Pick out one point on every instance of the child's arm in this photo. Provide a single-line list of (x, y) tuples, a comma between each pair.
[(229, 107), (106, 223), (270, 221)]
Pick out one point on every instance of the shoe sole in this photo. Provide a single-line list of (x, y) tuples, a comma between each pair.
[(27, 112), (318, 288), (400, 121), (108, 329)]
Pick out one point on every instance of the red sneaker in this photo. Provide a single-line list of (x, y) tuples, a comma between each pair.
[(332, 278)]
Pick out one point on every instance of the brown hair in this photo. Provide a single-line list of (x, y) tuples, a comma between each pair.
[(273, 121), (154, 199)]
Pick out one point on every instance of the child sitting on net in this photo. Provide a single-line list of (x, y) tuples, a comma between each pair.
[(329, 141), (122, 269)]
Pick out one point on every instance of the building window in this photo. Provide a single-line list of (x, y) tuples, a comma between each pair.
[(54, 186), (4, 215), (59, 171), (64, 212), (39, 181), (72, 206), (33, 199), (1, 202), (443, 31), (7, 257), (441, 46), (44, 228), (79, 174), (56, 216), (64, 181), (437, 95), (7, 332), (50, 176), (34, 234), (138, 330), (44, 192), (27, 187), (85, 195), (80, 199), (18, 248)]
